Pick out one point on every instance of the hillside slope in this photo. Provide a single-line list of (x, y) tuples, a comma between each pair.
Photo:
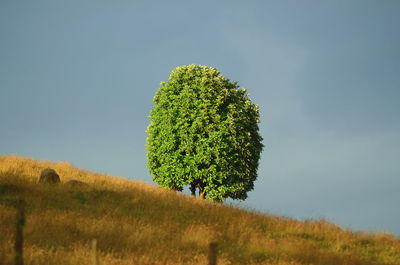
[(136, 223)]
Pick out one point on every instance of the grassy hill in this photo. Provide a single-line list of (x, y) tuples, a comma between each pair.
[(136, 223)]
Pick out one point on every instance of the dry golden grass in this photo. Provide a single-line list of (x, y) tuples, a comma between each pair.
[(137, 223)]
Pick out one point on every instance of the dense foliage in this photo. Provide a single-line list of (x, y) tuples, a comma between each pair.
[(204, 133)]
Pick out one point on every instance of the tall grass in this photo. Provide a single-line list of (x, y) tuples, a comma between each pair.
[(137, 223)]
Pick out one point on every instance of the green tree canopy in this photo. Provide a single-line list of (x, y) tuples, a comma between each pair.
[(203, 133)]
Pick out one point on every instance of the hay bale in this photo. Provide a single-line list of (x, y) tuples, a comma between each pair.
[(49, 175)]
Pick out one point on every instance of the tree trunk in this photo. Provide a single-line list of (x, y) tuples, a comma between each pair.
[(193, 189), (202, 193)]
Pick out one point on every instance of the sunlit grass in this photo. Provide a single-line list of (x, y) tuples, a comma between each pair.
[(137, 223)]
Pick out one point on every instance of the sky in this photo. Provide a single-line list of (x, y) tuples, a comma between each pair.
[(77, 79)]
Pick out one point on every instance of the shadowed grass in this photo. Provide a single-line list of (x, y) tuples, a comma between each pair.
[(136, 223)]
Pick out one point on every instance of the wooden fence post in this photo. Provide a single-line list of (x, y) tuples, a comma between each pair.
[(212, 254), (95, 260), (19, 233)]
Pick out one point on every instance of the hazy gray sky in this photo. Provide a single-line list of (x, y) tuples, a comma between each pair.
[(77, 80)]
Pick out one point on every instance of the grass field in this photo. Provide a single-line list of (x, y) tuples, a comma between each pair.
[(137, 223)]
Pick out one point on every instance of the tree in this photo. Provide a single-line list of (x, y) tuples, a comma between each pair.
[(203, 133)]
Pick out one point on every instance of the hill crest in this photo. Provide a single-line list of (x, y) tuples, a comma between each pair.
[(137, 223)]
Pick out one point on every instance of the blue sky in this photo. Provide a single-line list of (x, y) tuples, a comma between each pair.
[(77, 80)]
